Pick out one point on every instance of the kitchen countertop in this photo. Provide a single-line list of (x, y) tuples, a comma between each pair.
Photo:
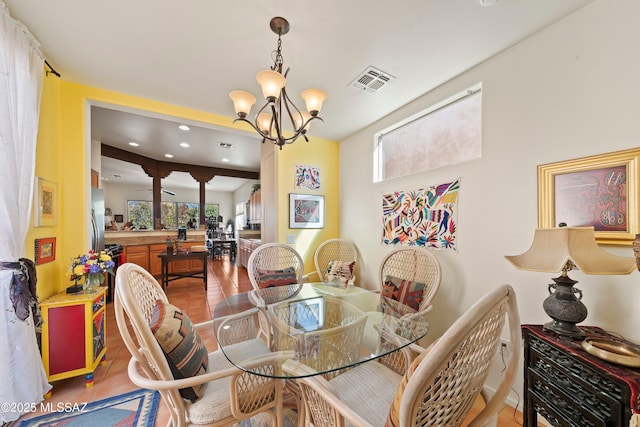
[(149, 237)]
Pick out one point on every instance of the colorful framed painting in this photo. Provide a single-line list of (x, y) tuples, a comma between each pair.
[(307, 177), (306, 211), (598, 191), (45, 250), (46, 203)]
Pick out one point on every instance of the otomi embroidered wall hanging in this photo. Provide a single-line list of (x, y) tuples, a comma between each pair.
[(424, 217)]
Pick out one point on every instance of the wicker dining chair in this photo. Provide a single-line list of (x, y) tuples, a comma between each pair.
[(440, 386), (416, 265), (409, 279), (272, 269), (228, 394), (329, 252)]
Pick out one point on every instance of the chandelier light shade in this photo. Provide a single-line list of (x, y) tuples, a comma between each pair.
[(561, 250), (279, 116)]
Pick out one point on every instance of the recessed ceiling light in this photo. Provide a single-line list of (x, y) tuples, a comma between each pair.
[(169, 156), (183, 127), (488, 3), (225, 160), (134, 144), (184, 144)]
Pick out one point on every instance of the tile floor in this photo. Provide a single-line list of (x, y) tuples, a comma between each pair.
[(110, 378)]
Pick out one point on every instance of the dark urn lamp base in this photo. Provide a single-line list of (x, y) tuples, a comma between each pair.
[(565, 308)]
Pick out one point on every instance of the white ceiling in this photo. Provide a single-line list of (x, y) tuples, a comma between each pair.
[(194, 53)]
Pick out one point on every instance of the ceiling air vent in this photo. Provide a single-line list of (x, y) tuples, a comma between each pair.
[(372, 80)]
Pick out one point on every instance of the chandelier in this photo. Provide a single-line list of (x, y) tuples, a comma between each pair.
[(279, 110)]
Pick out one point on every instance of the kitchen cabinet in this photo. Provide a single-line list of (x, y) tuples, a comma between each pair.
[(95, 178), (245, 249), (73, 334), (138, 254), (146, 256), (187, 265), (195, 264), (155, 263), (255, 208)]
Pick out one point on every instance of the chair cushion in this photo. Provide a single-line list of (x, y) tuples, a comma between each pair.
[(271, 278), (215, 404), (185, 352), (405, 291), (340, 271), (368, 389)]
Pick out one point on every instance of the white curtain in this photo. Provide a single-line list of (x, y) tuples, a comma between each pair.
[(23, 380)]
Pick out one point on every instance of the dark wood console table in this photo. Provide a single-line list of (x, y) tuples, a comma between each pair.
[(167, 258), (570, 387)]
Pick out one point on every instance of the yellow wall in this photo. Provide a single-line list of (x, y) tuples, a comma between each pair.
[(48, 154), (63, 156), (323, 154)]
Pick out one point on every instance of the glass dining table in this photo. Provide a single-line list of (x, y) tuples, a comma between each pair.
[(322, 325)]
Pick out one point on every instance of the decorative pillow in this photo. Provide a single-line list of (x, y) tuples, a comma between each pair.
[(340, 271), (404, 291), (186, 354), (272, 278)]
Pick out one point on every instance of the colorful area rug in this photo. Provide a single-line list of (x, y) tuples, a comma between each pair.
[(134, 409)]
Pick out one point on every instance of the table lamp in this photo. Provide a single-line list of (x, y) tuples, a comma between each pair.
[(564, 249)]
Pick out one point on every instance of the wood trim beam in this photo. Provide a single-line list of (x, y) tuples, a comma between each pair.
[(162, 169)]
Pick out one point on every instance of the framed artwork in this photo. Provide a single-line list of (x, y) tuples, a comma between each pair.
[(119, 217), (306, 211), (599, 191), (46, 203), (307, 177), (45, 250)]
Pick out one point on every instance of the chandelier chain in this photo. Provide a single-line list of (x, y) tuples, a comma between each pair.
[(278, 61)]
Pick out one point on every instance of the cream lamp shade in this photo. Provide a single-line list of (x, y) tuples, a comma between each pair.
[(264, 122), (242, 102), (272, 83), (553, 247), (313, 99)]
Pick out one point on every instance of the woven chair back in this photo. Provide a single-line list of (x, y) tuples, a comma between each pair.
[(414, 264), (333, 250), (136, 293)]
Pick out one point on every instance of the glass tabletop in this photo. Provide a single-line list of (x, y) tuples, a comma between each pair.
[(324, 326)]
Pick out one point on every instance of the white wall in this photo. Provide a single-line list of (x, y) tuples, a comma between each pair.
[(570, 91)]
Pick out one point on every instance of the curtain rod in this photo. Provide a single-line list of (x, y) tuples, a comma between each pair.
[(51, 70)]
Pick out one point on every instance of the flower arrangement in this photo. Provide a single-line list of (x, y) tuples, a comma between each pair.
[(92, 267)]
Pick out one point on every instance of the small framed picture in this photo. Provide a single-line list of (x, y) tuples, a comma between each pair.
[(46, 204), (45, 250), (306, 211), (119, 218)]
